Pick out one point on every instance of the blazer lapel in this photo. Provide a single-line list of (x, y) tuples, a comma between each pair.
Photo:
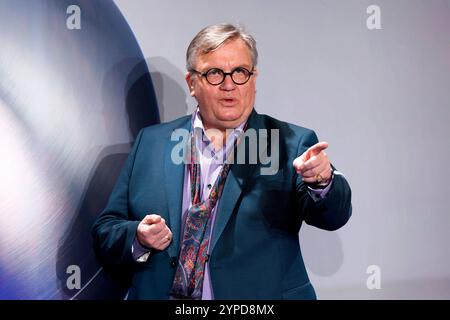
[(174, 181), (235, 183)]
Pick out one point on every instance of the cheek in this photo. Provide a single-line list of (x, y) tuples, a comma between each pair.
[(249, 94), (204, 96)]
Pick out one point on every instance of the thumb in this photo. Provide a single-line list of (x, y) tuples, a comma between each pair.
[(151, 219), (298, 162)]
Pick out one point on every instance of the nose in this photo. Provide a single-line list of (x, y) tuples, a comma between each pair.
[(228, 83)]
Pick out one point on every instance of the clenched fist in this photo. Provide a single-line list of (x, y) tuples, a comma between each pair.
[(152, 232), (314, 165)]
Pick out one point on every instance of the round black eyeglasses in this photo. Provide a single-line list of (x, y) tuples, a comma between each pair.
[(216, 76)]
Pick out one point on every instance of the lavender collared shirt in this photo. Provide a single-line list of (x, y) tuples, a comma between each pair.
[(211, 162)]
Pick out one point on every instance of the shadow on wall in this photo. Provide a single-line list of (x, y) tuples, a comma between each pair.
[(136, 95), (169, 83), (322, 251)]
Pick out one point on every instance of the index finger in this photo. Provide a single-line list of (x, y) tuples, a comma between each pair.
[(318, 148), (152, 218)]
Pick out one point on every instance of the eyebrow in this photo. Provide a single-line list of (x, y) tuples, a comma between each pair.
[(239, 66)]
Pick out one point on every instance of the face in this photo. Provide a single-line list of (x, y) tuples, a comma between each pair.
[(227, 105)]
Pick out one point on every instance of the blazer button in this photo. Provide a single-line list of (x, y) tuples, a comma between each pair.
[(173, 262)]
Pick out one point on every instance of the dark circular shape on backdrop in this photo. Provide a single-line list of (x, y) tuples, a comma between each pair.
[(71, 104)]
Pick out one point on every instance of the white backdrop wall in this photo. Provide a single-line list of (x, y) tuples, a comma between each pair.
[(379, 97)]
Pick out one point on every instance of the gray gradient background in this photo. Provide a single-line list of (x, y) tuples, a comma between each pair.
[(380, 98)]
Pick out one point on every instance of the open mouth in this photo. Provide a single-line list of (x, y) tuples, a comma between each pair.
[(228, 101)]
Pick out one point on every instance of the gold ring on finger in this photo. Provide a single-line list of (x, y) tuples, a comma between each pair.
[(319, 178)]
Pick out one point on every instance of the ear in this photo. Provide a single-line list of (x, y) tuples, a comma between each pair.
[(254, 76), (255, 73), (190, 83)]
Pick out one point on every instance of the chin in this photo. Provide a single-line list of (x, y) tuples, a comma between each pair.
[(230, 114), (230, 121)]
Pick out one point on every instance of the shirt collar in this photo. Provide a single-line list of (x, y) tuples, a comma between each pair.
[(202, 140), (198, 123)]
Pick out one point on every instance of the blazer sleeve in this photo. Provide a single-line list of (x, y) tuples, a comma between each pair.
[(114, 232), (332, 212)]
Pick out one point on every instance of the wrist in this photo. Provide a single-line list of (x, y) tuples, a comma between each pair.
[(322, 184)]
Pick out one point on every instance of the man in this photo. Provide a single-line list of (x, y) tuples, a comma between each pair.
[(211, 227)]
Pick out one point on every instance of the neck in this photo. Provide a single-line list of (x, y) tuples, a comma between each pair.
[(218, 137)]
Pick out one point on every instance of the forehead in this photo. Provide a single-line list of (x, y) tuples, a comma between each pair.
[(232, 53)]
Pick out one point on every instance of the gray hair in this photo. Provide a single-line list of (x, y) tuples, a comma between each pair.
[(212, 37)]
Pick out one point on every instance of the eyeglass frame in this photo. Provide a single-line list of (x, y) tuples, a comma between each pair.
[(225, 74)]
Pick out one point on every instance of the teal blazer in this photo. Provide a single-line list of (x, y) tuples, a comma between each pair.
[(255, 252)]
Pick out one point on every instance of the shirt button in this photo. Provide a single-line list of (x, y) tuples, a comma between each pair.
[(209, 186)]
